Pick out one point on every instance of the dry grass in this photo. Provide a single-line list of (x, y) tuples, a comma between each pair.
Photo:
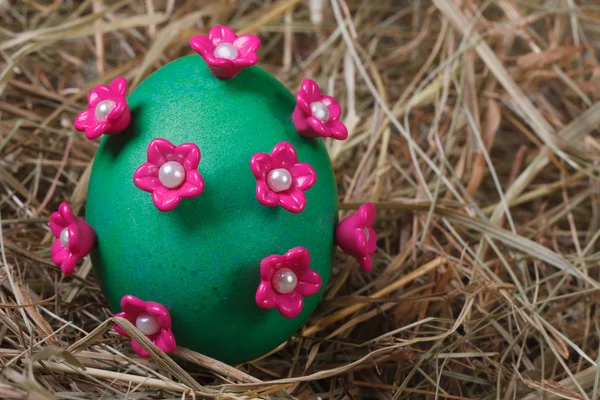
[(473, 129)]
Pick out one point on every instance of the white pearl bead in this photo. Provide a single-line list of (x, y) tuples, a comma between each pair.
[(147, 323), (284, 281), (171, 174), (226, 50), (64, 238), (103, 109), (320, 111), (279, 179)]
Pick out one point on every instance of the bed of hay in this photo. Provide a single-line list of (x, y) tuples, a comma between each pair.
[(473, 130)]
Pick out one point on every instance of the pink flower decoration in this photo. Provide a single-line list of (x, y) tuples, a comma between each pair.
[(75, 238), (225, 53), (281, 179), (286, 280), (107, 110), (152, 319), (317, 115), (170, 174), (355, 235)]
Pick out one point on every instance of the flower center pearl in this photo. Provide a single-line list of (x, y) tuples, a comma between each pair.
[(171, 174), (284, 281), (147, 323), (320, 111), (226, 50), (279, 179), (103, 109), (64, 237)]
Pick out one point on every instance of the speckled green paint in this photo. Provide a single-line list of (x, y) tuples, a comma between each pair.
[(202, 259)]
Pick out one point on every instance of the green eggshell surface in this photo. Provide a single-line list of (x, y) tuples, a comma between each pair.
[(202, 260)]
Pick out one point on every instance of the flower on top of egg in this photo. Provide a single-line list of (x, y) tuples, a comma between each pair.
[(75, 238), (281, 179), (316, 115), (355, 235), (286, 280), (152, 319), (107, 110), (226, 53), (170, 174)]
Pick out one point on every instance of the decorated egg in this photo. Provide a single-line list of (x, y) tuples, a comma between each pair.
[(211, 215)]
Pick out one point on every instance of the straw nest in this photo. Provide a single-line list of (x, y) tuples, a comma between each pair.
[(473, 130)]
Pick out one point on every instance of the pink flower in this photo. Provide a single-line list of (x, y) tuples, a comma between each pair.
[(170, 174), (225, 53), (152, 319), (356, 236), (281, 179), (286, 280), (107, 110), (75, 238), (317, 115)]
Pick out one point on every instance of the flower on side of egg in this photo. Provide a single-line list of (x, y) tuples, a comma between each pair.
[(107, 110), (286, 280)]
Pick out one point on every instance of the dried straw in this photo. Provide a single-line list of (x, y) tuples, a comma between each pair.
[(473, 130)]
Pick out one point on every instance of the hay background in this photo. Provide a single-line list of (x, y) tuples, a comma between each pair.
[(473, 129)]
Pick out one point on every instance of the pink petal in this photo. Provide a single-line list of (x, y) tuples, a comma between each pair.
[(84, 120), (132, 307), (193, 185), (118, 86), (146, 177), (303, 104), (161, 313), (269, 265), (266, 296), (261, 164), (304, 176), (201, 44), (366, 263), (293, 202), (247, 60), (57, 224), (73, 238), (309, 282), (189, 155), (95, 130), (165, 199), (116, 112), (221, 33), (371, 241), (159, 151), (338, 130), (166, 341), (247, 44), (284, 155), (65, 211), (129, 318), (97, 94), (367, 213), (139, 350), (265, 195), (68, 264), (59, 253), (360, 242), (318, 126), (311, 90), (290, 305), (213, 61), (297, 259), (332, 105)]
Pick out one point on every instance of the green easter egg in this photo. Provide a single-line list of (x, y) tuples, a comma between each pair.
[(202, 259)]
